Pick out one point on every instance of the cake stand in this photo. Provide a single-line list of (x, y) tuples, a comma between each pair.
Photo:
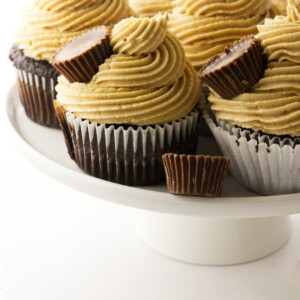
[(238, 227)]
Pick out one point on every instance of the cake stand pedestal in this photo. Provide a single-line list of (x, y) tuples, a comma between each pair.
[(240, 226), (213, 241)]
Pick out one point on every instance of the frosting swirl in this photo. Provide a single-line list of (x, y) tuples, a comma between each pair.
[(280, 7), (293, 10), (161, 67), (49, 24), (139, 36), (273, 105), (149, 8), (146, 89), (206, 27)]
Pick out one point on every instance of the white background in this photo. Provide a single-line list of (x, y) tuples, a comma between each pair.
[(60, 244)]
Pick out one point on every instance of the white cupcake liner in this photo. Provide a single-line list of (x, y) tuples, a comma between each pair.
[(266, 165), (127, 155), (37, 94)]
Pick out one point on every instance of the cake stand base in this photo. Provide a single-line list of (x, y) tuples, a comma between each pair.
[(212, 241)]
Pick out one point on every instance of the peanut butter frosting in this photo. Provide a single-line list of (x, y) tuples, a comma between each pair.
[(273, 105), (139, 36), (49, 24), (205, 27), (149, 8), (154, 87), (280, 7)]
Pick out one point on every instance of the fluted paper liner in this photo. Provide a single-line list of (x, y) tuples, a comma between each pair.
[(84, 66), (126, 155), (199, 175), (240, 75), (37, 94), (266, 165)]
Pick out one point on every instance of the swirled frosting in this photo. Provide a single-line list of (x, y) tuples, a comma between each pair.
[(155, 87), (49, 24), (273, 105), (139, 36), (149, 8), (205, 27), (280, 7)]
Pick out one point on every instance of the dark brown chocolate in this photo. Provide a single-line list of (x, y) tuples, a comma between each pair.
[(79, 59), (237, 70), (197, 175), (37, 67)]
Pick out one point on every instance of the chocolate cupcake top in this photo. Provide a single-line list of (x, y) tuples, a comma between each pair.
[(149, 86), (149, 8), (273, 104), (205, 28), (49, 24)]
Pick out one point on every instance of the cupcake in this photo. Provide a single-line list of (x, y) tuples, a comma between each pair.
[(139, 105), (260, 129), (149, 8), (47, 25), (206, 27)]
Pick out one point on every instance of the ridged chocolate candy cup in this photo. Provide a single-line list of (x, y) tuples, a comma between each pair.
[(84, 64), (231, 79), (197, 175)]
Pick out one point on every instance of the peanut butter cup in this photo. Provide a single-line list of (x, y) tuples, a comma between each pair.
[(79, 59), (198, 175), (236, 70)]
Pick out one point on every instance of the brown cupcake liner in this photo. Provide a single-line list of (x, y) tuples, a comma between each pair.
[(239, 76), (37, 94), (197, 175), (126, 155), (84, 66)]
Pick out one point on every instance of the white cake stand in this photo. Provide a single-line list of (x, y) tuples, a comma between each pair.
[(238, 227)]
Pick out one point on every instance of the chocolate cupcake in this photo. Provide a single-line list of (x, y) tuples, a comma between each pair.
[(47, 26), (260, 129), (138, 106), (196, 175)]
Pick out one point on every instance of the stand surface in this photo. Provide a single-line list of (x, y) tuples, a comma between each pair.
[(210, 231), (46, 149)]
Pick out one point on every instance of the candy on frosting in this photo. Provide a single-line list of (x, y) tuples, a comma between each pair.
[(149, 8), (273, 105), (205, 27), (144, 89), (49, 24)]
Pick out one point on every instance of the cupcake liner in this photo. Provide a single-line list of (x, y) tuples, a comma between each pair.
[(264, 164), (82, 67), (237, 77), (195, 174), (126, 154), (37, 94)]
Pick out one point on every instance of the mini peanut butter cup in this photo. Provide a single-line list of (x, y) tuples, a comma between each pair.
[(198, 175), (237, 70), (79, 59)]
